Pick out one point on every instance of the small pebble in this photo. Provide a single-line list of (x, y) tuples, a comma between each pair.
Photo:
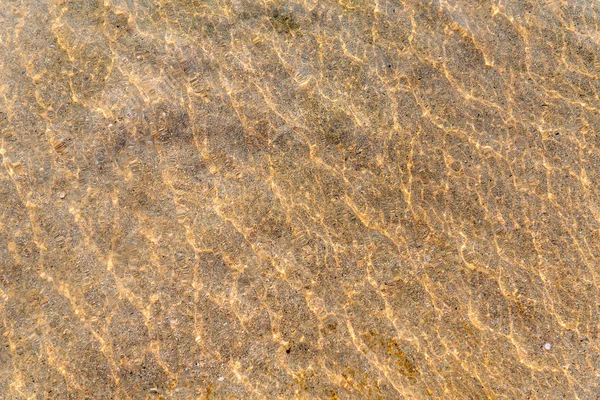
[(62, 195), (547, 346), (221, 379)]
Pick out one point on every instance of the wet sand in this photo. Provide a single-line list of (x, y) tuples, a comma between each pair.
[(353, 199)]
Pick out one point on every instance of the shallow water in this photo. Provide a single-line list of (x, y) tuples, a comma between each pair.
[(284, 199)]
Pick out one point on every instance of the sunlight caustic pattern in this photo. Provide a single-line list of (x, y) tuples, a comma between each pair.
[(348, 199)]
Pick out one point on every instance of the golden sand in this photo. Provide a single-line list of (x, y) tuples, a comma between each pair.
[(353, 199)]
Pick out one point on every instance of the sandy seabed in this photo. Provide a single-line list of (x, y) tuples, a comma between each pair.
[(309, 199)]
